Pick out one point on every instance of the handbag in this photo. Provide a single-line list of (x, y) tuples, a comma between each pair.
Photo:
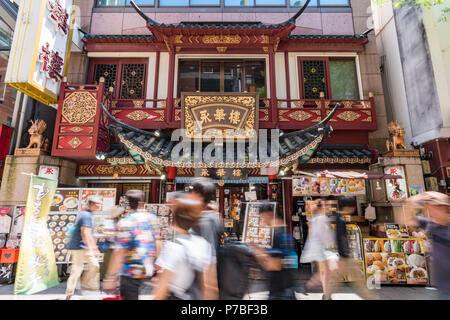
[(103, 246)]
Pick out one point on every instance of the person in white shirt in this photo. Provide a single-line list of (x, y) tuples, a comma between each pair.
[(185, 260)]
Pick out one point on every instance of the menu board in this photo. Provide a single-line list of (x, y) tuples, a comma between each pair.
[(58, 224), (102, 222), (395, 261), (108, 197), (66, 200), (338, 186), (356, 186), (255, 232), (319, 186), (394, 230), (165, 218), (302, 186)]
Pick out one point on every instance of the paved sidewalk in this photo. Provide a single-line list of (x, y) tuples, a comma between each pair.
[(257, 292)]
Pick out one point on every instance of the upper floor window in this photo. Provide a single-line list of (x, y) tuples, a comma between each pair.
[(127, 77), (226, 3), (222, 76), (335, 77)]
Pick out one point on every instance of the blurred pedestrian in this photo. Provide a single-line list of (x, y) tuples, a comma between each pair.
[(281, 259), (346, 265), (210, 227), (438, 225), (136, 249), (316, 249), (83, 249), (185, 260)]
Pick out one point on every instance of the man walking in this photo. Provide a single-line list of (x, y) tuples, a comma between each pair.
[(346, 264), (136, 241), (83, 249)]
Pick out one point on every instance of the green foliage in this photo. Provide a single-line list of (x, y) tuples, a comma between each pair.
[(445, 12)]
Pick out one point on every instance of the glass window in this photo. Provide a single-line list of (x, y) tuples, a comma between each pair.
[(334, 2), (174, 3), (299, 3), (241, 3), (205, 2), (210, 77), (188, 76), (110, 3), (255, 77), (142, 2), (270, 2), (344, 83), (232, 73)]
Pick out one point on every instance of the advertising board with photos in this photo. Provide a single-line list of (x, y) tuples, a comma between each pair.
[(396, 261), (67, 203), (255, 232), (165, 218), (318, 186)]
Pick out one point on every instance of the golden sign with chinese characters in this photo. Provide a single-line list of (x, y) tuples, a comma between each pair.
[(216, 113), (222, 173)]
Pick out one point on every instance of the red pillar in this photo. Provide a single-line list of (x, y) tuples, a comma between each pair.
[(169, 102), (288, 79), (155, 89), (273, 88)]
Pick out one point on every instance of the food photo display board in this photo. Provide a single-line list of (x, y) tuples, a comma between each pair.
[(317, 186), (396, 261), (165, 218), (67, 203), (255, 232)]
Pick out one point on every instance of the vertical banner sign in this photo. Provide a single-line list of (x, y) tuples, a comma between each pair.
[(41, 48), (36, 267)]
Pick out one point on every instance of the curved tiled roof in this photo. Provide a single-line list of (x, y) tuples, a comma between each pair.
[(158, 148), (340, 37)]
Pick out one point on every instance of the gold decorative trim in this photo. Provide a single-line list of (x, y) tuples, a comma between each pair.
[(166, 163), (178, 38), (340, 160), (221, 49), (266, 114), (79, 107), (300, 115), (161, 113), (126, 160), (332, 119), (347, 104), (138, 115), (349, 116), (75, 142), (76, 129), (299, 104), (214, 39), (138, 103), (265, 39)]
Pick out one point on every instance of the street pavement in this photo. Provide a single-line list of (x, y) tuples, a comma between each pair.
[(257, 291)]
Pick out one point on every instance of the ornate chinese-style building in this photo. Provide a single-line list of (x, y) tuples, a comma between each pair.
[(309, 69)]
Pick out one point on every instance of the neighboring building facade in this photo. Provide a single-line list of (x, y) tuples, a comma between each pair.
[(414, 46), (8, 14)]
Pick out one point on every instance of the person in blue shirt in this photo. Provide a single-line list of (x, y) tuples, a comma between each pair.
[(83, 249)]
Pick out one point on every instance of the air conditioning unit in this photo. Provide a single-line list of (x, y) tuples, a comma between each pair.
[(431, 184)]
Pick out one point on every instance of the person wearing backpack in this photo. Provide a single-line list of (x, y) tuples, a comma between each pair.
[(210, 227), (83, 249), (136, 249), (281, 260), (184, 262)]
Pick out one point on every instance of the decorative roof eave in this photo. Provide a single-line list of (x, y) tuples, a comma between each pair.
[(186, 28), (90, 38), (359, 39), (156, 149)]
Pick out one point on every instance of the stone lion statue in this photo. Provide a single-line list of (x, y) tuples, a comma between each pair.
[(37, 140), (396, 140)]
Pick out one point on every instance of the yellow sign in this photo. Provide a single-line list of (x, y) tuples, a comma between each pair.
[(217, 112), (36, 267), (40, 49)]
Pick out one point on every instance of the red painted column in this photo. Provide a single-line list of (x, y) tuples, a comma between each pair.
[(288, 78), (169, 102), (273, 88), (156, 82)]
